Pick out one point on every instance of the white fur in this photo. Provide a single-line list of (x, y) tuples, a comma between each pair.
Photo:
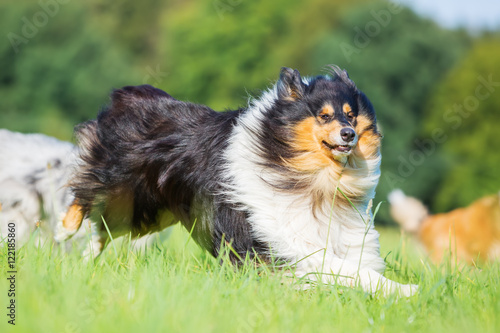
[(409, 212), (50, 162), (33, 166), (286, 221)]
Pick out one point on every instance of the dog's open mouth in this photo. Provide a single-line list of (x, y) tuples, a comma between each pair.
[(339, 148)]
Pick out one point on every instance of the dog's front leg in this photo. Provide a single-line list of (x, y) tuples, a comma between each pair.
[(360, 244), (330, 269)]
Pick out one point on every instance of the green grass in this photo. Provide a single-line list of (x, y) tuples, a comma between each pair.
[(175, 287)]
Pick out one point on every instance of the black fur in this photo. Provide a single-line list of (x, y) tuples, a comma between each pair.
[(159, 153)]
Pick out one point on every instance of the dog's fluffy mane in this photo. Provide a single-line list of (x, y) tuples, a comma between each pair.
[(278, 191)]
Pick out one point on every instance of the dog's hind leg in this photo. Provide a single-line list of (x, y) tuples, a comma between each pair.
[(94, 246), (96, 240), (69, 223)]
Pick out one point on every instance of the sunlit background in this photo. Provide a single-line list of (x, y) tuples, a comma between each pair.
[(431, 69)]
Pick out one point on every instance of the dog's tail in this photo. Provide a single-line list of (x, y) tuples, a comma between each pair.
[(408, 212)]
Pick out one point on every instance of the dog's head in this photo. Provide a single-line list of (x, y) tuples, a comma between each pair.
[(328, 117)]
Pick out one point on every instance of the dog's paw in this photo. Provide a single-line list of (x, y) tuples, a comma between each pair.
[(300, 280), (401, 290), (408, 290), (387, 287)]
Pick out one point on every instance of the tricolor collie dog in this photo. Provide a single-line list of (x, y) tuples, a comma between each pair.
[(262, 179), (468, 234)]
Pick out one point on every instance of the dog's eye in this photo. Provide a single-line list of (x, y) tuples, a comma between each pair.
[(324, 116), (350, 115)]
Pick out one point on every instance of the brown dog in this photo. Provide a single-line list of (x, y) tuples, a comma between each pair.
[(471, 233)]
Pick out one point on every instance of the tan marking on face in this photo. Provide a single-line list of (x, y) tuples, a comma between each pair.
[(74, 217), (346, 108), (327, 110), (369, 140), (309, 137)]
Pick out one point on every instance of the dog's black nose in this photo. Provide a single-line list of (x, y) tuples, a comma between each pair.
[(347, 134)]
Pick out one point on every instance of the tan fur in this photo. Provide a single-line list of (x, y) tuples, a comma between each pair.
[(369, 141), (74, 217), (472, 232), (293, 95), (327, 109), (311, 132), (467, 234), (318, 160), (346, 108), (309, 135)]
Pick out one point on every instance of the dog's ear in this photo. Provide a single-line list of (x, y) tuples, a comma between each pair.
[(339, 74), (130, 96), (290, 86)]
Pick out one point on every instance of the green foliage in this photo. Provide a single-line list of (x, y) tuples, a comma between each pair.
[(135, 26), (396, 58), (215, 52), (62, 71), (207, 52), (468, 110)]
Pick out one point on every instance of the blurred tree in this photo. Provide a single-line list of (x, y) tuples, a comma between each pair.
[(59, 63), (56, 70), (396, 58), (217, 51), (135, 26), (466, 105)]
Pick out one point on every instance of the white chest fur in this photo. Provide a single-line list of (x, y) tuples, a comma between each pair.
[(335, 243), (287, 222)]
